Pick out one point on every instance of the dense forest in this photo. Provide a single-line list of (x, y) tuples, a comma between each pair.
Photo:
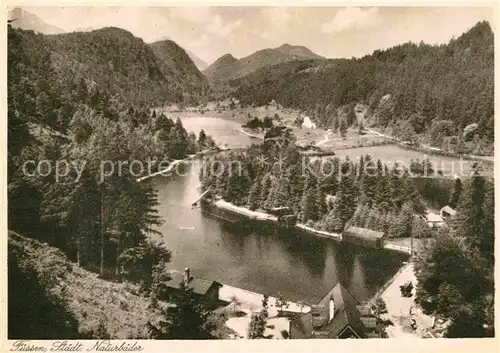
[(456, 274), (326, 193), (443, 93), (100, 217), (49, 122), (116, 62)]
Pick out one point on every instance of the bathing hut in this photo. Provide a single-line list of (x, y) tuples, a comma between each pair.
[(363, 237)]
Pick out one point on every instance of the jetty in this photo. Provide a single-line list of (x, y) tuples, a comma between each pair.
[(200, 197), (251, 135), (166, 170)]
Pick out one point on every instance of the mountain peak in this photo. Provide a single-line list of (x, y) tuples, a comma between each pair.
[(28, 21), (227, 66), (174, 58), (227, 56), (200, 63), (297, 51)]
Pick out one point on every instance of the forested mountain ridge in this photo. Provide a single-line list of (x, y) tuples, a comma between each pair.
[(411, 89), (113, 60), (227, 67), (176, 62), (95, 127)]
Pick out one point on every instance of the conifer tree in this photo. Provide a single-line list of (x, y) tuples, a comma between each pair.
[(255, 194), (369, 181), (474, 220), (373, 220), (333, 221), (402, 225), (321, 208), (347, 200), (187, 319), (457, 191)]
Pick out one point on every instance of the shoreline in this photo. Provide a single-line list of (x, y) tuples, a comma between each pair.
[(175, 162), (428, 150), (435, 151), (251, 135), (262, 216)]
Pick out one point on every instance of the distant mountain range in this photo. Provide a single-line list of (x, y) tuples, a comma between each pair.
[(410, 89), (26, 20), (200, 64), (228, 67)]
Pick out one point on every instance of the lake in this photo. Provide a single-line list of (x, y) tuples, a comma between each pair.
[(297, 266), (392, 153)]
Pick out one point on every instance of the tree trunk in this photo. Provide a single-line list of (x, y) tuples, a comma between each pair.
[(118, 256), (101, 267), (78, 255)]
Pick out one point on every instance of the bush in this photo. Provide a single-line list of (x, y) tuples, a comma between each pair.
[(284, 334), (380, 306), (406, 289), (240, 314)]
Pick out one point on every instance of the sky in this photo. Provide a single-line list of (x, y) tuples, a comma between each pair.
[(210, 32)]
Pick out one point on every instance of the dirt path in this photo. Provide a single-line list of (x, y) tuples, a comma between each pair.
[(325, 140), (398, 308)]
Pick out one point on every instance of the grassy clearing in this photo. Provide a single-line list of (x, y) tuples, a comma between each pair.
[(239, 114)]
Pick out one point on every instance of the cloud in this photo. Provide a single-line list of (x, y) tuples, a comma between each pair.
[(194, 14), (353, 18), (219, 29), (279, 18)]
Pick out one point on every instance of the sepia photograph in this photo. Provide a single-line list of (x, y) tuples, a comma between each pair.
[(249, 173)]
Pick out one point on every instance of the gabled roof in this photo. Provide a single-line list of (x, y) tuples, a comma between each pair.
[(432, 217), (346, 312), (301, 326), (346, 316), (364, 233), (199, 285), (449, 210)]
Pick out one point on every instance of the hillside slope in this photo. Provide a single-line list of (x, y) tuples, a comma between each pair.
[(113, 60), (412, 89), (176, 62), (228, 67), (94, 307)]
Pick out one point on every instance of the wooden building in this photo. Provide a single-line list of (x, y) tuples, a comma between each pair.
[(447, 212), (205, 289), (434, 220), (364, 237), (337, 315)]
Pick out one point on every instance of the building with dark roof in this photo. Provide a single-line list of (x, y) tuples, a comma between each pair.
[(363, 237), (337, 315), (208, 290)]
